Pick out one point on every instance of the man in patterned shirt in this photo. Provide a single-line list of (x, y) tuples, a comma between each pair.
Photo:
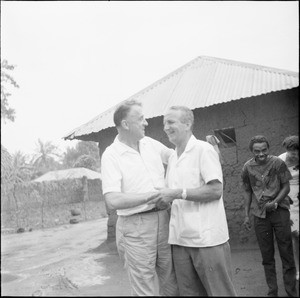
[(266, 183)]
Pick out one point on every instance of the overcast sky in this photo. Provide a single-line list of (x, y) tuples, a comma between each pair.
[(74, 60)]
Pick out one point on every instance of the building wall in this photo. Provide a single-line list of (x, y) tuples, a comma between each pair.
[(274, 115)]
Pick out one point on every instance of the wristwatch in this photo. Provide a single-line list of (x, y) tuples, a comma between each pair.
[(184, 195)]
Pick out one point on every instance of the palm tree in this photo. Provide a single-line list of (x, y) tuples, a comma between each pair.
[(21, 170), (6, 165), (44, 159), (14, 171)]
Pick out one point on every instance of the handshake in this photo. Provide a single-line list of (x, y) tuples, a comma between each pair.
[(163, 197)]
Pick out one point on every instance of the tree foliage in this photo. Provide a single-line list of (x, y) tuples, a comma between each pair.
[(90, 148), (6, 165), (45, 158), (70, 157), (15, 168), (85, 161), (7, 113), (22, 171), (82, 148)]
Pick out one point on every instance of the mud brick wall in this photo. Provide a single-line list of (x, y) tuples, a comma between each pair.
[(38, 205)]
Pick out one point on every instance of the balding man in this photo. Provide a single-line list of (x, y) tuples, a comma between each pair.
[(132, 167)]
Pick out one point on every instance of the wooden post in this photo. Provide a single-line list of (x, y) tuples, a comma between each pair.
[(85, 192)]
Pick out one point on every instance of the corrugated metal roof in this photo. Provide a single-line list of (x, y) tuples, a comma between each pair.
[(203, 82), (69, 174)]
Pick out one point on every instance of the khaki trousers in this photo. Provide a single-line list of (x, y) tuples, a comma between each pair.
[(142, 242)]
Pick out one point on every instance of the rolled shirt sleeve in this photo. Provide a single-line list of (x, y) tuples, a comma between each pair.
[(111, 174), (245, 179), (210, 165)]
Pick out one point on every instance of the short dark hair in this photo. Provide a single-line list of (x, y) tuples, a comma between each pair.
[(291, 143), (258, 139), (123, 109)]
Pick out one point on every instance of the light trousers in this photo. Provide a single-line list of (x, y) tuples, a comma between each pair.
[(142, 242)]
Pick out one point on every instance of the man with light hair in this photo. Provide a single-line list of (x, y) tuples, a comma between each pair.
[(132, 167), (198, 227)]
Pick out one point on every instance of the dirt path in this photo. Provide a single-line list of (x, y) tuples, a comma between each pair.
[(62, 261), (75, 260)]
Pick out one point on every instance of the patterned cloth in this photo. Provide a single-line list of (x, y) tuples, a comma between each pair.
[(264, 182)]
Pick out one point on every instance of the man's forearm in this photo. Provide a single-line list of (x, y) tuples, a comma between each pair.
[(283, 193), (248, 201), (119, 200), (207, 193)]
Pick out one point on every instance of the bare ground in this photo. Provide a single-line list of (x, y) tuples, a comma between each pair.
[(76, 260)]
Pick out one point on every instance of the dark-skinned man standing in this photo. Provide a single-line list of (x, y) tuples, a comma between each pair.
[(266, 183)]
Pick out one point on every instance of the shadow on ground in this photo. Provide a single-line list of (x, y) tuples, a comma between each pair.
[(108, 247)]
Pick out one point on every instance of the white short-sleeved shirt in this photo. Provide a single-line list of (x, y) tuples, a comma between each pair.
[(126, 170), (294, 183), (196, 224)]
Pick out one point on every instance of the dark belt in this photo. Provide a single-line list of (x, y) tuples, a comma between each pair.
[(151, 210)]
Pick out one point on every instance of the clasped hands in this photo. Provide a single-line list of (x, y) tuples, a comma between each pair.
[(270, 206), (163, 197)]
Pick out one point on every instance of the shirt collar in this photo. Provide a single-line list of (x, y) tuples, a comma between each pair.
[(190, 144), (122, 148), (253, 161)]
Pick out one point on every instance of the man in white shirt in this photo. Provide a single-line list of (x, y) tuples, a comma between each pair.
[(198, 227), (132, 167)]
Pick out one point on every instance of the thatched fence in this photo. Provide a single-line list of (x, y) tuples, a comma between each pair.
[(36, 205)]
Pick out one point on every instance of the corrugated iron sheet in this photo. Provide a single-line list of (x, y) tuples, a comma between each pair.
[(203, 82)]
